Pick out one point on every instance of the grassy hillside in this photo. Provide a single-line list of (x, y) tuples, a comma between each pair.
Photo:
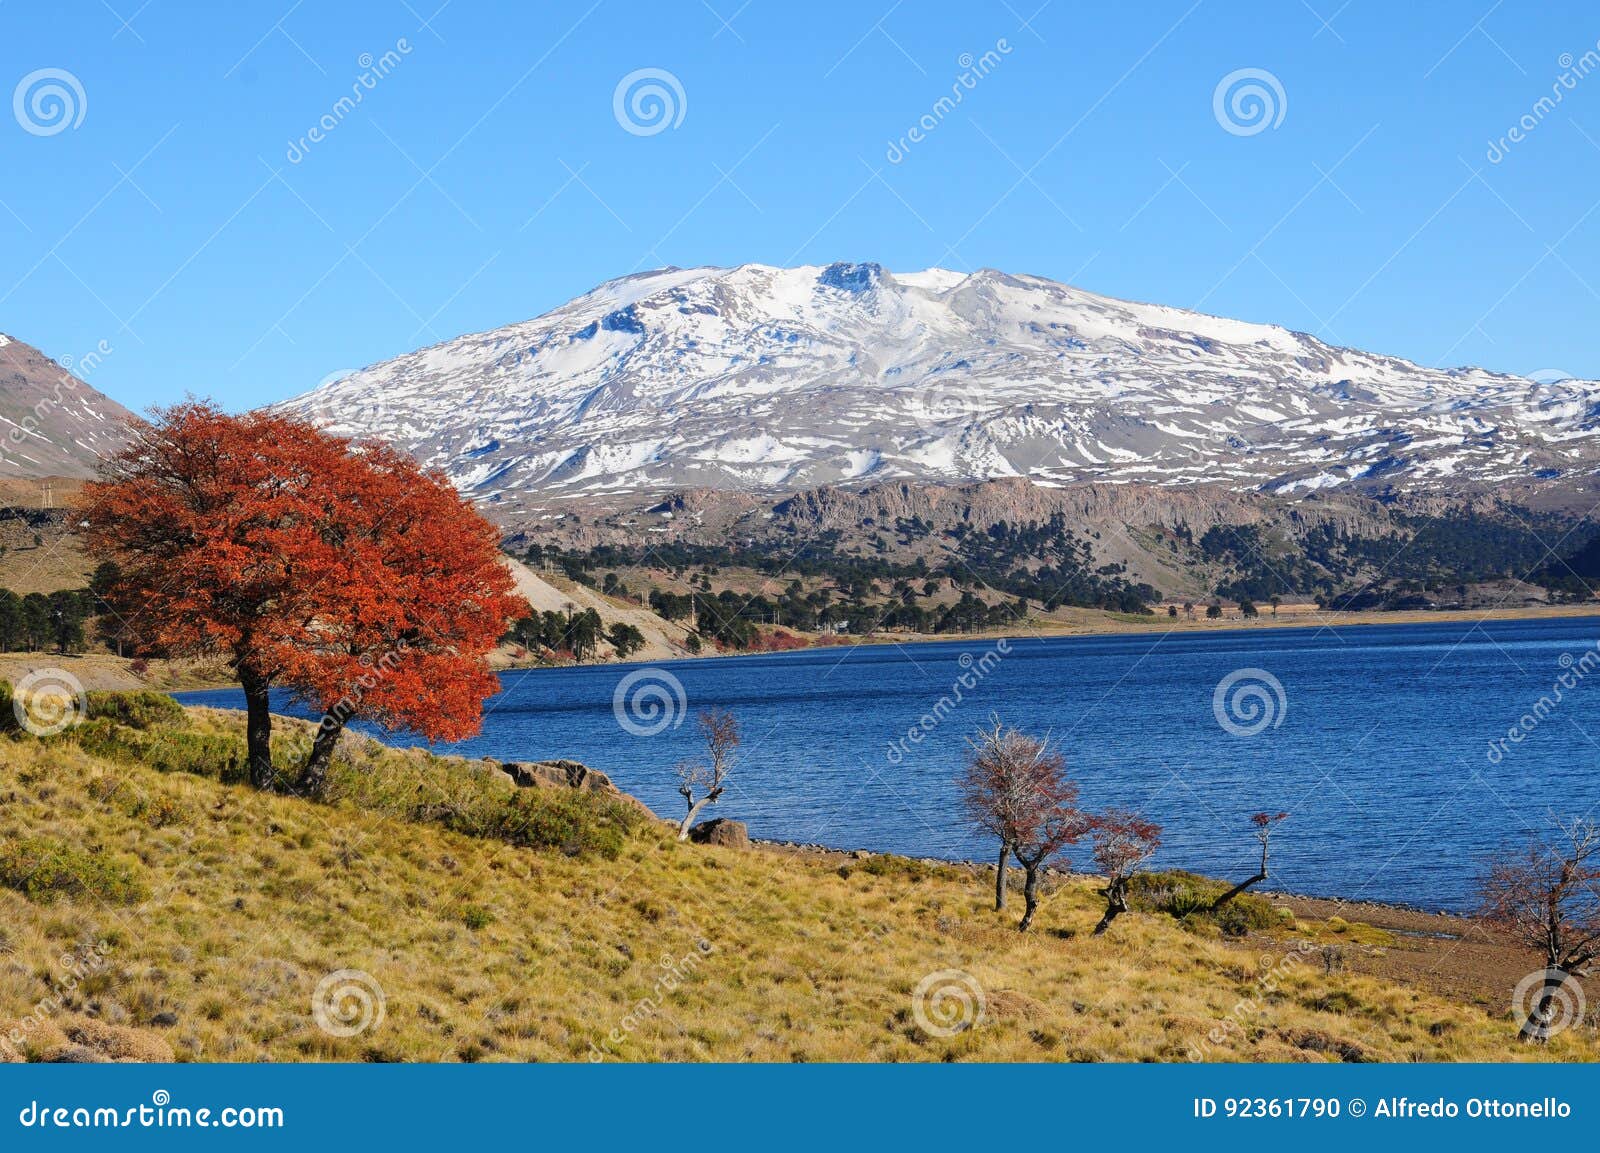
[(149, 906)]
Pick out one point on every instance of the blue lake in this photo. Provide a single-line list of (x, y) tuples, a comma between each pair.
[(1378, 740)]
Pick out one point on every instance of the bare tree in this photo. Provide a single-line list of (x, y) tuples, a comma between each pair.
[(701, 784), (1263, 824), (992, 791), (1017, 790), (1123, 842), (1548, 897)]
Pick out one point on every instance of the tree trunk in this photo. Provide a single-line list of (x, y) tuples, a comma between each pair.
[(258, 729), (1536, 1029), (1030, 894), (1116, 903), (1000, 877), (1236, 890), (314, 776), (688, 820)]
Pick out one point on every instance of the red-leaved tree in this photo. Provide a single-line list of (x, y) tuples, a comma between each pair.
[(338, 570), (1123, 842), (1017, 789)]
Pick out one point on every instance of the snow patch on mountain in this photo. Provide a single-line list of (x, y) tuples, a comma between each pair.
[(759, 377)]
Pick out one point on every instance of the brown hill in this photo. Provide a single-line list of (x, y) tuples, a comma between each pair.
[(52, 424)]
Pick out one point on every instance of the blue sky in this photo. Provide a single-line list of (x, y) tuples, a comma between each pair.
[(485, 177)]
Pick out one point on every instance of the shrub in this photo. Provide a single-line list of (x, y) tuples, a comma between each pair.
[(43, 870), (475, 917), (1189, 897), (139, 710), (1244, 914), (465, 799), (575, 823), (219, 756)]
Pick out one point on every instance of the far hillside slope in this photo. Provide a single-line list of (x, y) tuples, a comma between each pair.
[(53, 424), (663, 640)]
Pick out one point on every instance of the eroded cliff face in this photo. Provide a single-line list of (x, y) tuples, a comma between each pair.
[(1152, 530), (707, 516)]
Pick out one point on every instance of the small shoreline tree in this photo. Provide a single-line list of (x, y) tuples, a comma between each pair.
[(707, 781), (1017, 790), (1123, 842), (1263, 824), (1548, 898)]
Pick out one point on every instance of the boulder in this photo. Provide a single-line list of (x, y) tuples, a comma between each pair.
[(558, 775), (565, 774), (721, 831)]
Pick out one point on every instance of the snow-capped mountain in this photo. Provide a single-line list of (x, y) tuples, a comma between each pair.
[(767, 378), (51, 422)]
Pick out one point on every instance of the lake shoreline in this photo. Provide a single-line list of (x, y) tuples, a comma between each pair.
[(1161, 626), (104, 671)]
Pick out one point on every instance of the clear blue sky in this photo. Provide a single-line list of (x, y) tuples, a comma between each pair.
[(486, 178)]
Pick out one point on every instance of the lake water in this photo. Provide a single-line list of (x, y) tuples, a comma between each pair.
[(1376, 739)]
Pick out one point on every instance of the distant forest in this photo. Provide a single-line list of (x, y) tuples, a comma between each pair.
[(1046, 565)]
